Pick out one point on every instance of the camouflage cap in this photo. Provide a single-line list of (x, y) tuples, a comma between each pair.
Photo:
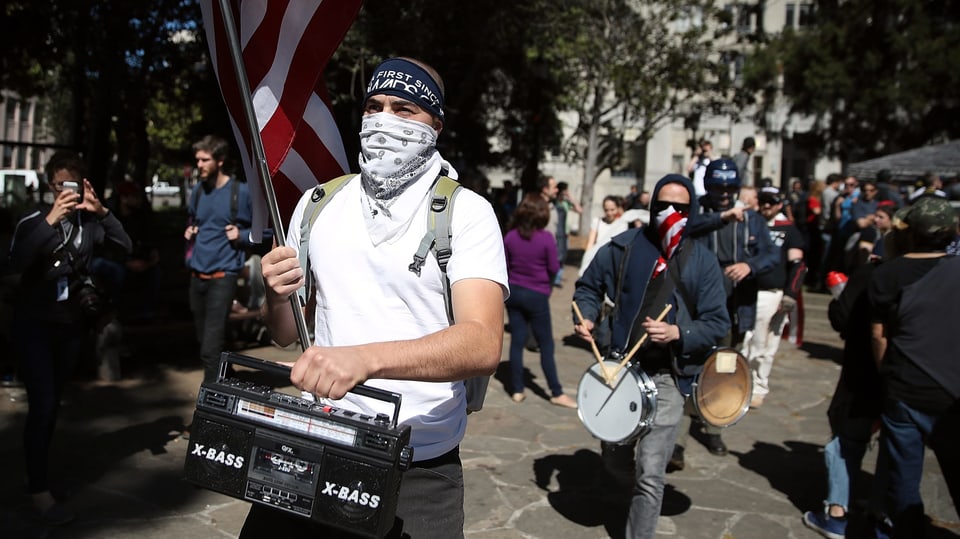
[(928, 215)]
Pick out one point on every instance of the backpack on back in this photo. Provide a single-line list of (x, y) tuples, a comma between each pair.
[(436, 240)]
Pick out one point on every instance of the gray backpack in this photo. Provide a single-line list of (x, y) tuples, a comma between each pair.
[(436, 240)]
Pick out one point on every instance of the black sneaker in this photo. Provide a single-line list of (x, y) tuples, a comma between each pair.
[(715, 445), (676, 460), (57, 514)]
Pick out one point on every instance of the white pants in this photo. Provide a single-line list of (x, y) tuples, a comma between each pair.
[(761, 343)]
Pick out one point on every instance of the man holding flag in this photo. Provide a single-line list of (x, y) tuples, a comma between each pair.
[(382, 324)]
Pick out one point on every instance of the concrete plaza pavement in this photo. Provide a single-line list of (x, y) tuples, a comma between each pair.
[(531, 469)]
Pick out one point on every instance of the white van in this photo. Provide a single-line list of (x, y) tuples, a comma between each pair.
[(18, 186)]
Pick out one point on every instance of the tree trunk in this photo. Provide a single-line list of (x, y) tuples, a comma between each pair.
[(638, 162), (590, 165)]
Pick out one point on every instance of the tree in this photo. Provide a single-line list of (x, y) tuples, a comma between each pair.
[(500, 102), (105, 88), (876, 76), (631, 67)]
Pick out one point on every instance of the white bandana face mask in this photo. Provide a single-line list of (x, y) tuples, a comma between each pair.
[(394, 152)]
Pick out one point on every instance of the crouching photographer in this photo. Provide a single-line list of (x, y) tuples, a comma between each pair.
[(51, 250)]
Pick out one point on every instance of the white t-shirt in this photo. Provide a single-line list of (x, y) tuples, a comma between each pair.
[(605, 231), (367, 294), (698, 173)]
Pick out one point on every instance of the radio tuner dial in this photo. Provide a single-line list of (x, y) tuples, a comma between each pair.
[(382, 419)]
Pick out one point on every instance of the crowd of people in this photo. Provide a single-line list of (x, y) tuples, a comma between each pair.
[(723, 263), (771, 245)]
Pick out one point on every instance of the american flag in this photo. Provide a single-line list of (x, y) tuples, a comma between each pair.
[(286, 45)]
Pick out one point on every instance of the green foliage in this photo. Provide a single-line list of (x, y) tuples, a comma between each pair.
[(498, 86), (116, 76), (135, 92), (878, 76), (628, 68)]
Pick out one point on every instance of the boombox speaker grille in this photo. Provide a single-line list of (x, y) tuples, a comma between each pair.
[(218, 454)]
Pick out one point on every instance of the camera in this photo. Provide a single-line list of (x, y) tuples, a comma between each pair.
[(88, 298)]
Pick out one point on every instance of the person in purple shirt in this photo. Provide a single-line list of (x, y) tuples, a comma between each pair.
[(532, 265)]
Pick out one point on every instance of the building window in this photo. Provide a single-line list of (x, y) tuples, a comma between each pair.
[(804, 15), (679, 160), (744, 23), (799, 15)]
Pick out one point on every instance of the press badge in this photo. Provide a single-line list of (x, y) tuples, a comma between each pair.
[(63, 289), (726, 362)]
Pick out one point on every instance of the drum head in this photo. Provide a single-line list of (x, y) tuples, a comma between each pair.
[(618, 413), (724, 388)]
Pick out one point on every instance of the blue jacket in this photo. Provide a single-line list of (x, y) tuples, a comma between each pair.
[(632, 255), (753, 247)]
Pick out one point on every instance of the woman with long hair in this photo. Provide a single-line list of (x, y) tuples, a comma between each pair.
[(532, 265), (603, 229)]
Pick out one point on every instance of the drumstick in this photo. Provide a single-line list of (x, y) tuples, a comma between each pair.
[(666, 309), (593, 344)]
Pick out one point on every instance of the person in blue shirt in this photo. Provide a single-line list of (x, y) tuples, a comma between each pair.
[(219, 227)]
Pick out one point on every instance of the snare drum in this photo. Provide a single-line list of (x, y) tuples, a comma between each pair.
[(619, 413), (723, 389)]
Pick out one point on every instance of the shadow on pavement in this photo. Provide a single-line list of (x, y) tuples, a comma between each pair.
[(100, 461), (806, 490), (822, 351), (589, 495)]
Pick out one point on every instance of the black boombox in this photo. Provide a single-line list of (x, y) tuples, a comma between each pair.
[(331, 466)]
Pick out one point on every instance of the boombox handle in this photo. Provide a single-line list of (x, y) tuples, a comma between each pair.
[(228, 358)]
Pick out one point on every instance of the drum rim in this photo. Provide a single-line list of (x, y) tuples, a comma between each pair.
[(648, 393), (744, 407)]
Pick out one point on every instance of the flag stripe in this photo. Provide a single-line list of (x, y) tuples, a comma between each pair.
[(285, 48)]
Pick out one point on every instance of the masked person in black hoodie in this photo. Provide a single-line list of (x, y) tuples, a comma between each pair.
[(640, 268)]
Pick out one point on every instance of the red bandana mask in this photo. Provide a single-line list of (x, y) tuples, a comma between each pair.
[(670, 224)]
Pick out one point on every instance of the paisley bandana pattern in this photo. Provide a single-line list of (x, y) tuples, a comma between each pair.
[(394, 152)]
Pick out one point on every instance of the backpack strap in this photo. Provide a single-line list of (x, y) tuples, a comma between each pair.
[(234, 200), (318, 199), (437, 238), (195, 199), (438, 233), (438, 225)]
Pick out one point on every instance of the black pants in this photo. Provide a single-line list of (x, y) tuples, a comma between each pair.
[(430, 505), (47, 354)]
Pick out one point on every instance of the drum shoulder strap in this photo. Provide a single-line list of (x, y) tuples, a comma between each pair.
[(675, 273)]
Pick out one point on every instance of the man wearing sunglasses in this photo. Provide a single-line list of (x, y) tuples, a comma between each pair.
[(777, 295), (741, 240), (638, 268)]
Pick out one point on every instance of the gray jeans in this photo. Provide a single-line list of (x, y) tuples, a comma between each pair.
[(653, 453)]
